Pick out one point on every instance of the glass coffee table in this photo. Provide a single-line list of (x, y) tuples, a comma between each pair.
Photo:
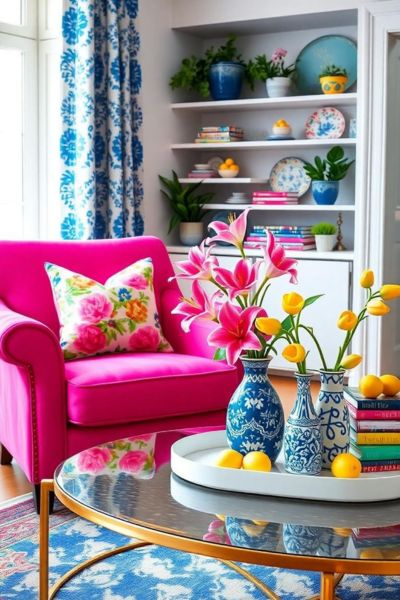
[(128, 486)]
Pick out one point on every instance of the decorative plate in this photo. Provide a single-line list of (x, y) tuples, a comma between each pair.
[(327, 122), (214, 163), (326, 50), (288, 175)]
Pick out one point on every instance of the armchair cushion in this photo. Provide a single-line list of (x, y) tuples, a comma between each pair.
[(119, 316), (109, 390)]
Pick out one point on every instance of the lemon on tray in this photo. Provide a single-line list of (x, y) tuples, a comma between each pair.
[(346, 465), (229, 459), (257, 461)]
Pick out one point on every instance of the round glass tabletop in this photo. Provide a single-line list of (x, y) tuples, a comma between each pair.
[(131, 482)]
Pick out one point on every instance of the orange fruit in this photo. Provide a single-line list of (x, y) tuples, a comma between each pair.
[(391, 384), (229, 162), (234, 167), (257, 461), (222, 167), (370, 386), (343, 531), (229, 459), (346, 465), (371, 553)]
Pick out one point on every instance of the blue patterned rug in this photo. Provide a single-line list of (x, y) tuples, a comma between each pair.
[(150, 573)]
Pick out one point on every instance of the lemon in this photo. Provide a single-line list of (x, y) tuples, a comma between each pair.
[(346, 465), (261, 523), (343, 531), (229, 162), (252, 530), (257, 461), (371, 554), (370, 386), (230, 459), (391, 384), (222, 167)]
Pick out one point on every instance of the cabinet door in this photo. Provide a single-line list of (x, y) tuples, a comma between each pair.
[(315, 277)]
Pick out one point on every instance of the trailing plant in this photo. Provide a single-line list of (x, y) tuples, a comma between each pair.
[(334, 71), (262, 68), (194, 71), (186, 205), (332, 168), (323, 229)]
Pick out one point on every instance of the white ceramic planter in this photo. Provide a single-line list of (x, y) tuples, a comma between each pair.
[(191, 234), (278, 87), (325, 243)]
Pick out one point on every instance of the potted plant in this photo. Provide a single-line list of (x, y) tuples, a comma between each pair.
[(187, 207), (333, 79), (326, 174), (325, 236), (273, 72), (219, 72)]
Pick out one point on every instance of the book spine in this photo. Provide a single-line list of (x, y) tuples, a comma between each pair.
[(375, 452), (295, 240), (372, 404), (374, 426), (380, 468), (220, 128), (266, 202), (370, 415), (378, 439), (267, 193), (377, 532)]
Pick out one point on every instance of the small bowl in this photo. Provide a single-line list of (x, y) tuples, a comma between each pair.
[(202, 166), (281, 130), (228, 172)]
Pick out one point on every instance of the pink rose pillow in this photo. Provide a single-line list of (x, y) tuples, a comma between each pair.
[(119, 316)]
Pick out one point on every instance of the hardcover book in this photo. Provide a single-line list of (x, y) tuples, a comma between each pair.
[(363, 452), (381, 415), (354, 398), (375, 438)]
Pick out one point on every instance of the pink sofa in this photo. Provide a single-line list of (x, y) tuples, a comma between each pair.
[(51, 409)]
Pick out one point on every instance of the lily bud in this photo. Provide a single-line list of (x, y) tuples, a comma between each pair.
[(350, 361), (347, 320), (367, 278), (268, 325), (377, 308), (292, 303), (390, 291)]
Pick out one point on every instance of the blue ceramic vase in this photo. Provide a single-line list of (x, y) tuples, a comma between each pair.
[(226, 80), (325, 192), (332, 410), (300, 539), (302, 440), (255, 419)]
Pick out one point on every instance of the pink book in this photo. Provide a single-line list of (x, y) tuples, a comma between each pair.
[(300, 247), (269, 193), (370, 415), (266, 202), (294, 240)]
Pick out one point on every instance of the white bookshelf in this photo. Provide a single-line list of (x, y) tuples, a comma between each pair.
[(346, 255), (225, 180), (266, 145), (284, 208)]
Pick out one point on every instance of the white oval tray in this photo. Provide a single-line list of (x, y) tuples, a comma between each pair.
[(193, 458)]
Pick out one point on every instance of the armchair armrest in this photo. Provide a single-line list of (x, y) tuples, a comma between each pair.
[(32, 395), (194, 341)]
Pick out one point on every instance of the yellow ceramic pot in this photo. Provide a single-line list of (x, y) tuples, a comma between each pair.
[(333, 84)]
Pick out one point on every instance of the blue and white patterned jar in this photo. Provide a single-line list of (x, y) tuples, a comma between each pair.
[(301, 539), (332, 410), (302, 440), (255, 419)]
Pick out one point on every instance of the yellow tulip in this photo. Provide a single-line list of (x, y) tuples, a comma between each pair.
[(390, 291), (294, 353), (377, 308), (350, 361), (292, 303), (268, 325), (367, 278), (347, 320)]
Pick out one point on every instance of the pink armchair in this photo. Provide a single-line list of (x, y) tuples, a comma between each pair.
[(51, 409)]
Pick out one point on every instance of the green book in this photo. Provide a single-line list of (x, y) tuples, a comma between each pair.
[(375, 452)]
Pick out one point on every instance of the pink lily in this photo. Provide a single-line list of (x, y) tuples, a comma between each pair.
[(276, 262), (200, 306), (240, 281), (232, 233), (234, 333), (198, 265)]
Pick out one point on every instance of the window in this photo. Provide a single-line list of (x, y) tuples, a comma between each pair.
[(11, 12)]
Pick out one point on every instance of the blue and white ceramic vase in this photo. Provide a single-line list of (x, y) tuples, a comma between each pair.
[(255, 419), (302, 441), (226, 80), (331, 408), (325, 192), (300, 539)]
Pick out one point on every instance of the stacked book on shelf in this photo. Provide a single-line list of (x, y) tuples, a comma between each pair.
[(380, 538), (291, 237), (202, 171), (374, 430), (268, 197), (222, 133)]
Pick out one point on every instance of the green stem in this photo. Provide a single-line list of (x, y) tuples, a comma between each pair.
[(256, 295), (319, 349)]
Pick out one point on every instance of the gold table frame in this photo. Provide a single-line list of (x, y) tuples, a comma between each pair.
[(332, 569)]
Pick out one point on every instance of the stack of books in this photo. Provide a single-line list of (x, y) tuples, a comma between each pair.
[(265, 197), (202, 172), (289, 236), (380, 538), (374, 431), (222, 133)]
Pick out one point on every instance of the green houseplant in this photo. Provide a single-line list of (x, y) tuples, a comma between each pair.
[(187, 207), (273, 71), (218, 72), (333, 79), (326, 173), (325, 236)]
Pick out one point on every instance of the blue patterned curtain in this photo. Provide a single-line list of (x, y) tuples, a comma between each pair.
[(100, 146)]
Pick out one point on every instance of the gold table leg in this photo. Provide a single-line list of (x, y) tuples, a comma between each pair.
[(327, 586), (336, 580), (46, 487), (254, 580)]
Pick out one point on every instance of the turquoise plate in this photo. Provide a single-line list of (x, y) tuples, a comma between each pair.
[(326, 50)]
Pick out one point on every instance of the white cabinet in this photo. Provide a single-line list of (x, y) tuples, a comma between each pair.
[(186, 285), (315, 277)]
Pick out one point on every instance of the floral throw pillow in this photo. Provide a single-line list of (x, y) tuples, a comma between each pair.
[(119, 316)]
